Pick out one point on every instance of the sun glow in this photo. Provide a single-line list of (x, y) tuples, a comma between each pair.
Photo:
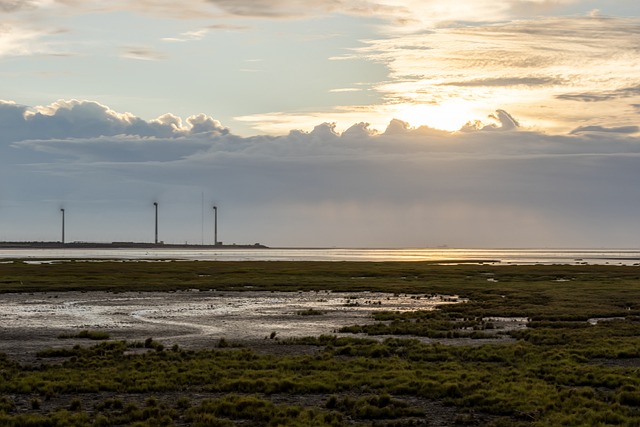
[(450, 115)]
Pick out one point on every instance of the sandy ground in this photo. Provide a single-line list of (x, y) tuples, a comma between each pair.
[(191, 319)]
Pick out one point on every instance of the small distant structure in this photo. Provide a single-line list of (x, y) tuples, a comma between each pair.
[(128, 244), (155, 204), (215, 226), (62, 210)]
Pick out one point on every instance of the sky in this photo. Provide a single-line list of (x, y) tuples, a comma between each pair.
[(334, 123)]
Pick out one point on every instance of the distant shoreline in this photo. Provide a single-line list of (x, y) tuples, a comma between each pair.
[(122, 245), (259, 252)]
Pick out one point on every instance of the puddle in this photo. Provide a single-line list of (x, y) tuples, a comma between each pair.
[(192, 318)]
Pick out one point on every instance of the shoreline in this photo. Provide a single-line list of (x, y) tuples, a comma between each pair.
[(140, 251), (123, 245)]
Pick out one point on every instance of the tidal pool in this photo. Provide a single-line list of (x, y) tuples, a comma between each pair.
[(191, 318)]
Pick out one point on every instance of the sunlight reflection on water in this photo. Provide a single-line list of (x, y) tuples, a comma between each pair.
[(504, 256)]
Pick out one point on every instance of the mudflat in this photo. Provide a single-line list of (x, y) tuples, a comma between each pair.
[(191, 318)]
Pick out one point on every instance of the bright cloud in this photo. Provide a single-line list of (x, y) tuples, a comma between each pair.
[(540, 69), (469, 56), (188, 36), (88, 119), (16, 41)]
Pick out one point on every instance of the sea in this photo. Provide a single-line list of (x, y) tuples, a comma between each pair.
[(444, 255)]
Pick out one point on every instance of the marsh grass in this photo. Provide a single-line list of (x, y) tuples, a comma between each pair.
[(87, 334), (364, 380), (561, 370)]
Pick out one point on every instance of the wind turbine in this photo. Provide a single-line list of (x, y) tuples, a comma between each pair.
[(62, 210), (215, 225), (155, 204)]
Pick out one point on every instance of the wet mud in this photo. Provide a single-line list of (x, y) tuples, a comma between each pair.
[(192, 319)]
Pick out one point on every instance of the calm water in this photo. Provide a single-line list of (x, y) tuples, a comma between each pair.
[(505, 256)]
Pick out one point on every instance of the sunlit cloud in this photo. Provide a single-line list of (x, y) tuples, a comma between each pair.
[(453, 115), (507, 81), (17, 41), (472, 62), (540, 69), (450, 115), (345, 89), (600, 96), (188, 36), (448, 63)]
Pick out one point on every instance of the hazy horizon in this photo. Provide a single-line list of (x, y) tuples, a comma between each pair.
[(368, 123)]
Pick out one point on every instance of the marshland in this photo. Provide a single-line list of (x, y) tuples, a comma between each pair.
[(113, 343)]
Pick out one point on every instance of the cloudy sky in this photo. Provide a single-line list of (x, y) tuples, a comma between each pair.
[(375, 123)]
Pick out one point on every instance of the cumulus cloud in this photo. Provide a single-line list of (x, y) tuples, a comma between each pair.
[(404, 186), (114, 149), (397, 127), (503, 122), (68, 119), (205, 124)]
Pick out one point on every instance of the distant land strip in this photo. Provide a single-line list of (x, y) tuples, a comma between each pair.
[(122, 245)]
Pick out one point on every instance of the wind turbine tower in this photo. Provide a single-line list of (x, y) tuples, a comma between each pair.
[(62, 210), (215, 225), (155, 204)]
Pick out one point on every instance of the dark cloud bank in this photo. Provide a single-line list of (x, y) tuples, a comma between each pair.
[(491, 185)]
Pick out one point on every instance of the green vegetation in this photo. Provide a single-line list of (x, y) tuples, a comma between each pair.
[(442, 323), (468, 280), (561, 370), (91, 335)]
